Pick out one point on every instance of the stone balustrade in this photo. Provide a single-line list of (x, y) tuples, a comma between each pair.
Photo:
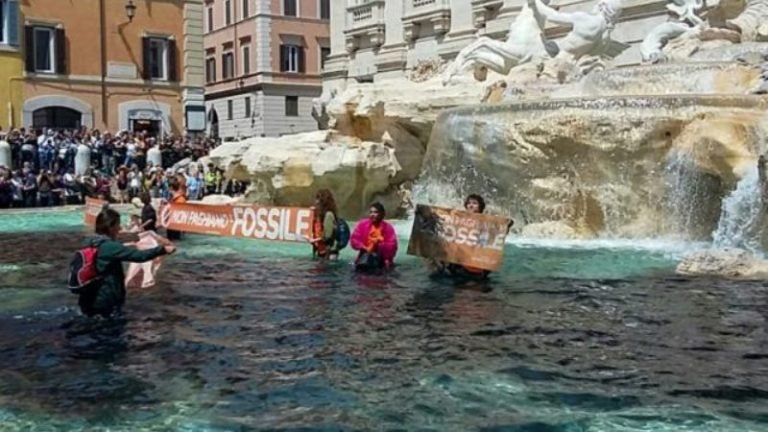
[(365, 22), (437, 13)]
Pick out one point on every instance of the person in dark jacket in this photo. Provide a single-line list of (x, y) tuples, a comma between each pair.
[(107, 295), (148, 213)]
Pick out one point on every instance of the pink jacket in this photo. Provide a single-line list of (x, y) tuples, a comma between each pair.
[(387, 248)]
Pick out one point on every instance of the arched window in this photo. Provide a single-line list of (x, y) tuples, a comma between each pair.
[(56, 117)]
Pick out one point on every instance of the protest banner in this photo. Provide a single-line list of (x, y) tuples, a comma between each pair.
[(291, 224), (459, 237), (93, 207), (142, 275)]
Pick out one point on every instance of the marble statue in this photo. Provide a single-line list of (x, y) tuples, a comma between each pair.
[(524, 42), (752, 24), (590, 35), (320, 110), (684, 18)]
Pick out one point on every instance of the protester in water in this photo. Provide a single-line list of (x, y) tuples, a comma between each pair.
[(473, 204), (375, 240), (324, 244), (178, 196), (148, 213), (107, 295)]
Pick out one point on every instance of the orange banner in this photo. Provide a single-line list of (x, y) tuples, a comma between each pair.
[(268, 223), (93, 207), (459, 237)]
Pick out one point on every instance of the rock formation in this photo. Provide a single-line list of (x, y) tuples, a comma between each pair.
[(728, 263)]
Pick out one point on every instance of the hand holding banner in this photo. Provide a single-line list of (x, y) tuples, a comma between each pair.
[(142, 275), (459, 237)]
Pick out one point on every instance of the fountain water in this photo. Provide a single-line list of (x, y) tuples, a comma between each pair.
[(741, 219)]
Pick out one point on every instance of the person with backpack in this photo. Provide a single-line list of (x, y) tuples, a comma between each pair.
[(96, 272), (376, 241), (330, 234)]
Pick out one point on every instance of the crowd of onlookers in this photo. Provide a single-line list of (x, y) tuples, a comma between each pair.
[(43, 167)]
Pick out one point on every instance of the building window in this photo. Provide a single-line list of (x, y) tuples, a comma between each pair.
[(210, 70), (246, 8), (159, 59), (210, 19), (246, 59), (290, 8), (56, 117), (325, 9), (247, 106), (292, 58), (324, 53), (227, 12), (3, 23), (46, 50), (45, 44), (227, 65), (229, 109), (292, 106)]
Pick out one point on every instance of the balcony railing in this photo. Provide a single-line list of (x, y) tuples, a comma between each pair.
[(365, 13), (417, 12), (419, 7), (365, 19)]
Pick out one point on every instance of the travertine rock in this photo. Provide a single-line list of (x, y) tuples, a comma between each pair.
[(289, 170), (728, 263)]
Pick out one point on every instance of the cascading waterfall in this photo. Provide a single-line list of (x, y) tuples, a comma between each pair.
[(740, 222), (688, 197)]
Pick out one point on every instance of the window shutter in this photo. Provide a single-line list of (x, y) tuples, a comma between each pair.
[(172, 75), (61, 51), (283, 58), (302, 61), (145, 58), (29, 48), (13, 23)]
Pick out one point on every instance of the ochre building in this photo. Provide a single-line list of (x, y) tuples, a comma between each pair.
[(112, 64)]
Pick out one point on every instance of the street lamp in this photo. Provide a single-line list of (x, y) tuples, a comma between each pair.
[(130, 10)]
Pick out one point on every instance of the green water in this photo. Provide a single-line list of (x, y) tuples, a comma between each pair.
[(246, 335)]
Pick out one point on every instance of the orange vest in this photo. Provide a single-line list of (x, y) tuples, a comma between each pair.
[(374, 237), (317, 232)]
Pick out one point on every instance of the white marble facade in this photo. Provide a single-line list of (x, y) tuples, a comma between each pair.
[(373, 40)]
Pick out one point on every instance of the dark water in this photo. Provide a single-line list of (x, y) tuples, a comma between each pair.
[(255, 336)]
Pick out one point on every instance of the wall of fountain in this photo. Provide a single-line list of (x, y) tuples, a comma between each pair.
[(626, 166)]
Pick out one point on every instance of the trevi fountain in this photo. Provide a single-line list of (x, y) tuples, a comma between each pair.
[(555, 135)]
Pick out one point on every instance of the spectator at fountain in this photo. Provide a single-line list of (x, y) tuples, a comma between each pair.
[(375, 240), (6, 189), (45, 189), (29, 150), (107, 295), (135, 182), (122, 184), (17, 182), (210, 180), (323, 238)]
